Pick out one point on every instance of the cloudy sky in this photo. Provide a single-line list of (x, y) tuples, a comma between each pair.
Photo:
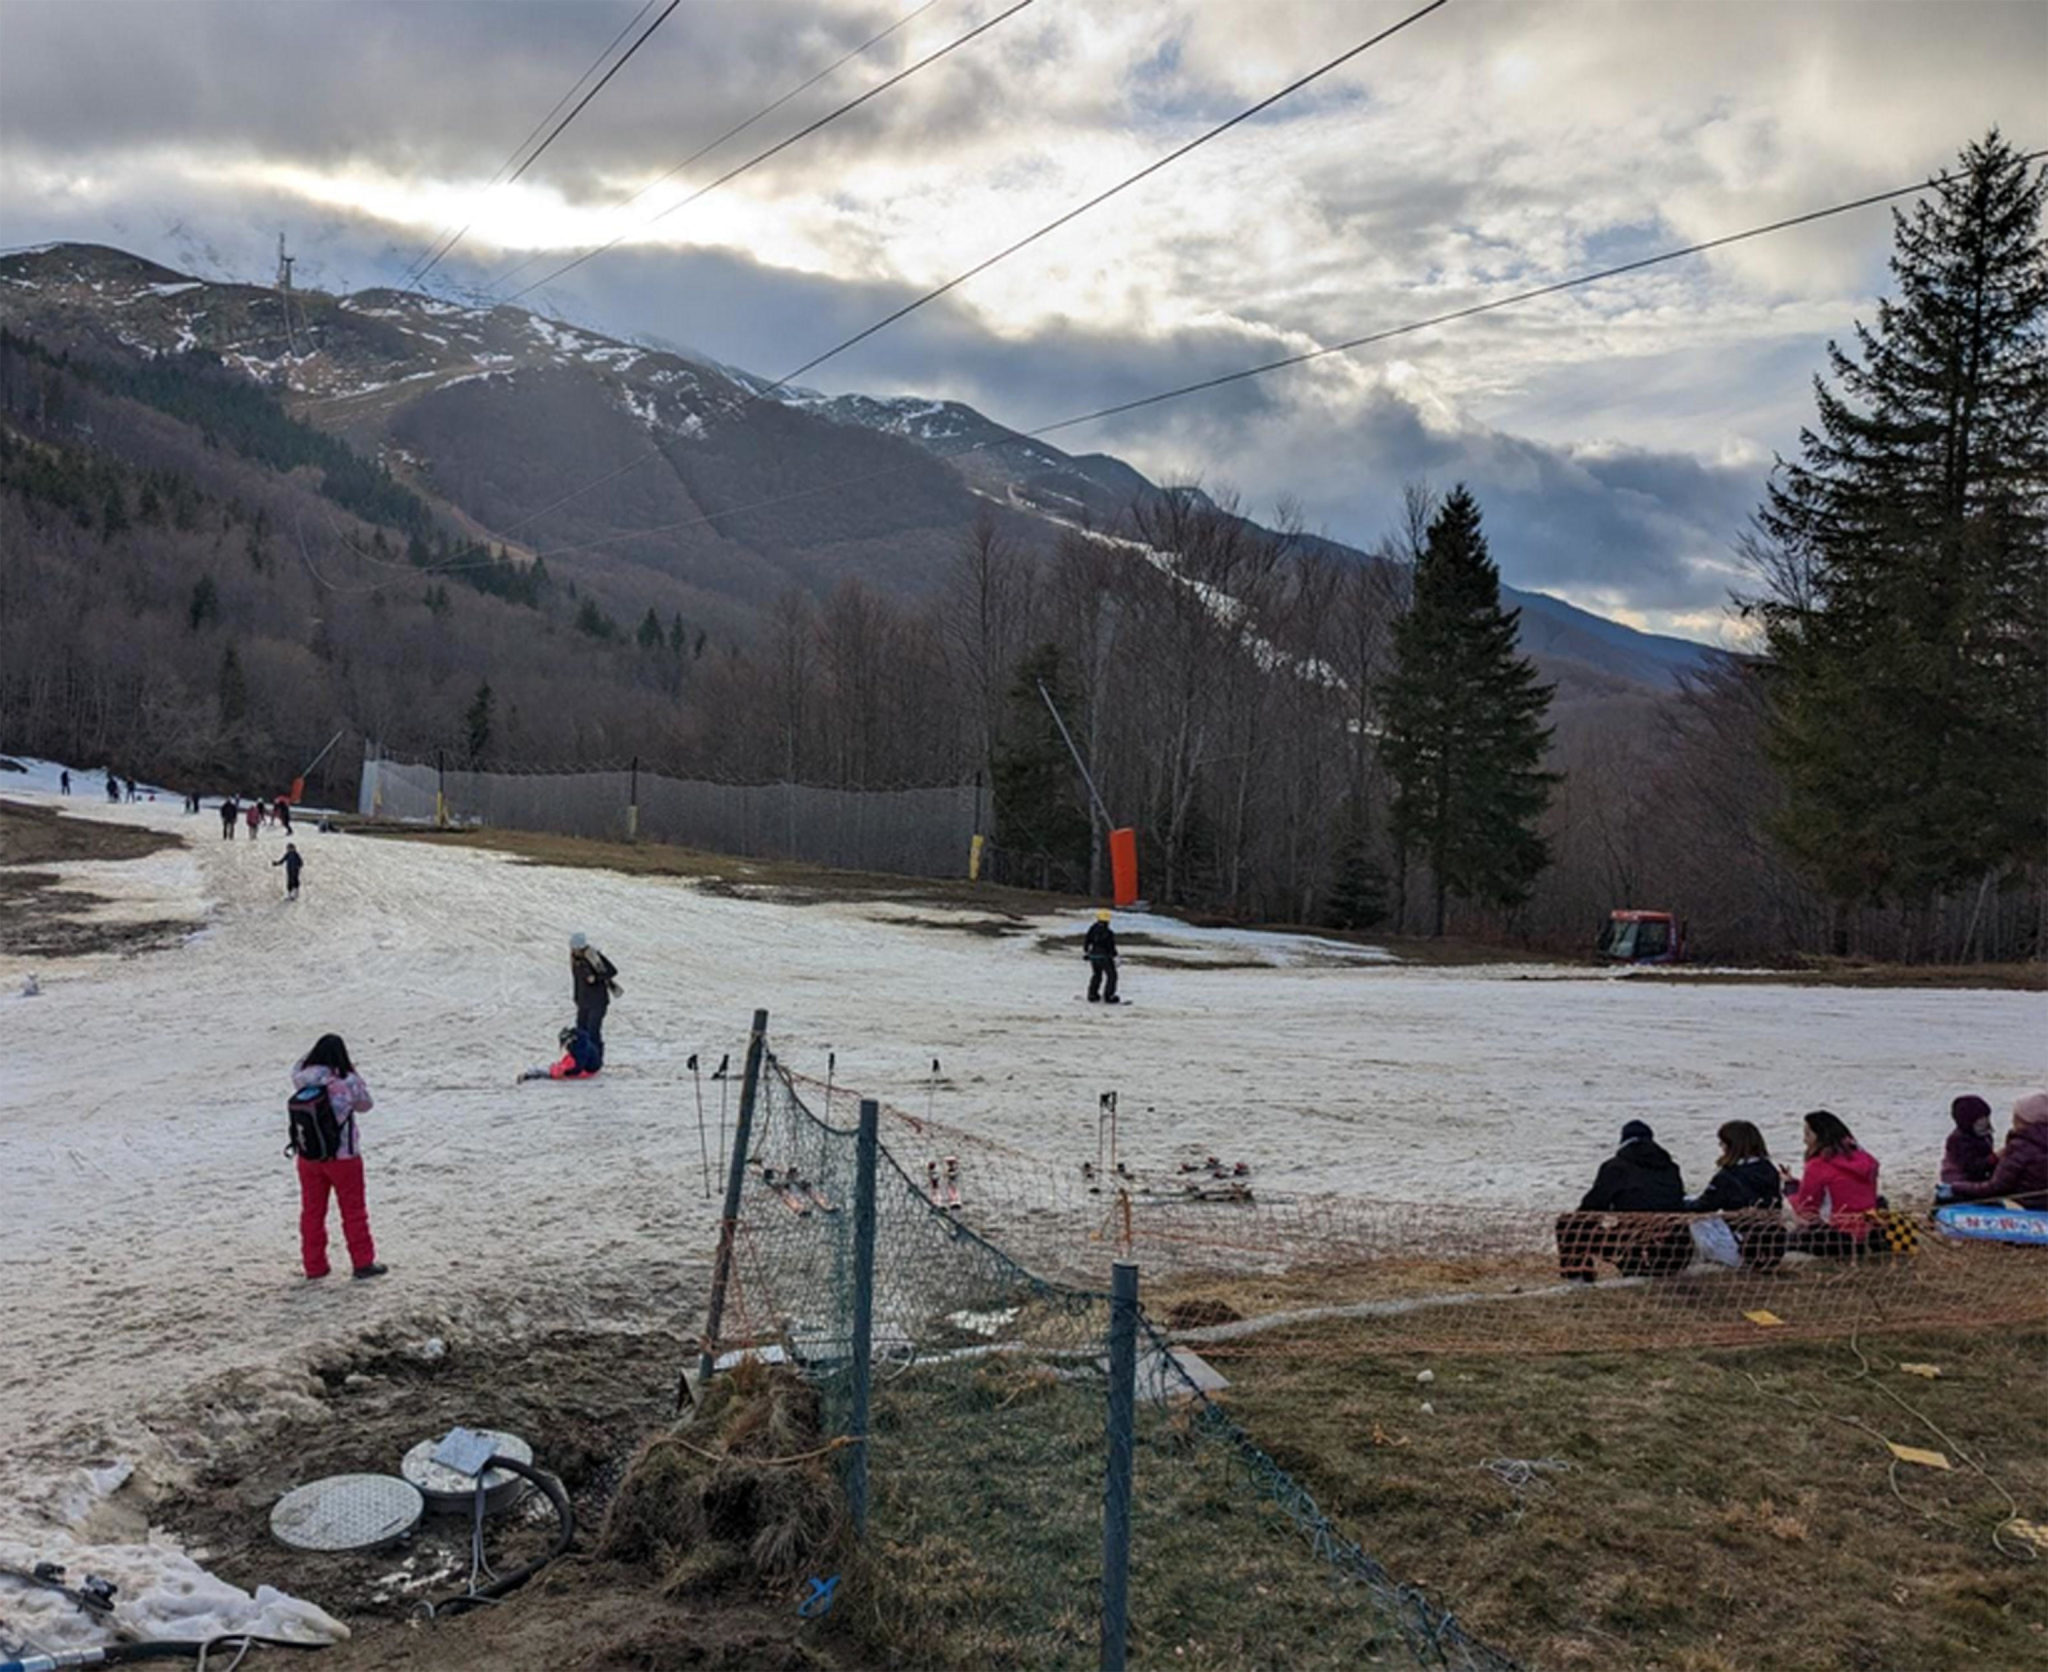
[(1617, 437)]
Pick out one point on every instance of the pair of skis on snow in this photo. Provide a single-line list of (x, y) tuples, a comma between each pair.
[(797, 1193), (944, 1192)]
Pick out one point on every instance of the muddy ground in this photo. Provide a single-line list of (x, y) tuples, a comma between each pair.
[(585, 1400), (42, 915)]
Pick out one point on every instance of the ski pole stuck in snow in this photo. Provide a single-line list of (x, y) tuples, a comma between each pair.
[(931, 1090), (724, 1080), (703, 1149)]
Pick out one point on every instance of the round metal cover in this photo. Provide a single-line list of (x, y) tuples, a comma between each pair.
[(346, 1512), (450, 1489)]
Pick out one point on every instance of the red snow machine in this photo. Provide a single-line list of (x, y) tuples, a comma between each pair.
[(1643, 937)]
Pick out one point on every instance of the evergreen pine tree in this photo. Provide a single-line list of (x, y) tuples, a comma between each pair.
[(1038, 808), (1463, 715), (650, 635), (1357, 897), (1905, 557), (233, 690), (477, 722)]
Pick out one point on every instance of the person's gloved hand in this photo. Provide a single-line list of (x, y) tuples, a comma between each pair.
[(1944, 1193)]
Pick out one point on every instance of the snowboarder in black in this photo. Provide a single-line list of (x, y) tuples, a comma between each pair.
[(293, 863), (228, 811), (1098, 946), (64, 781), (594, 977)]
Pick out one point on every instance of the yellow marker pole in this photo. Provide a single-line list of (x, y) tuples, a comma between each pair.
[(974, 857)]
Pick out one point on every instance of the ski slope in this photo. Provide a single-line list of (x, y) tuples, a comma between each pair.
[(150, 1217)]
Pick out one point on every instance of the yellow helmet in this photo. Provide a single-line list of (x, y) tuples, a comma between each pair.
[(1102, 916)]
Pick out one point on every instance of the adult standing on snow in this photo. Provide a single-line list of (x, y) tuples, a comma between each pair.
[(64, 782), (283, 812), (1098, 946), (254, 817), (293, 864), (228, 813), (327, 1065), (595, 980)]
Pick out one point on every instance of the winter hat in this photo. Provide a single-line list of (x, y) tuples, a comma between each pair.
[(578, 941), (1637, 1131), (2031, 1110), (1102, 917), (1966, 1111)]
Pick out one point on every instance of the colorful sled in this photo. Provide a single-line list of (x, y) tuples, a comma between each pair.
[(1993, 1222)]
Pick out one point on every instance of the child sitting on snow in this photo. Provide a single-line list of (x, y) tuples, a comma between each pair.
[(581, 1057), (1968, 1156)]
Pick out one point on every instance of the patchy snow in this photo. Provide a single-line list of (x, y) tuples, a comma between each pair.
[(150, 1249)]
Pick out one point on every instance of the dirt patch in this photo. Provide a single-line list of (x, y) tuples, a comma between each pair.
[(41, 916), (586, 1401)]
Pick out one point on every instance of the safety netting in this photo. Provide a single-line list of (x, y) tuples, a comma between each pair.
[(987, 1430)]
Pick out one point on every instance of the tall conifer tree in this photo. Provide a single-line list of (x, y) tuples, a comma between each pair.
[(1905, 561), (1463, 717)]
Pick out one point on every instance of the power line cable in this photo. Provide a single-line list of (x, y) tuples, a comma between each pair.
[(780, 146), (1101, 198), (449, 236), (734, 132), (1053, 225), (1349, 345), (555, 133)]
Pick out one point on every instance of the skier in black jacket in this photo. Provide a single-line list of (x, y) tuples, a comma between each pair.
[(1639, 1178), (1098, 946)]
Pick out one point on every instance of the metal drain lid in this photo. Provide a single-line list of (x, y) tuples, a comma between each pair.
[(346, 1512), (448, 1490)]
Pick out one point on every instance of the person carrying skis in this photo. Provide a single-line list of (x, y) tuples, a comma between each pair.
[(283, 812), (293, 864), (1098, 946), (229, 812), (594, 978), (327, 1065)]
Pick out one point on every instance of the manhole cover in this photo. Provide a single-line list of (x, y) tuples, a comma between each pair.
[(346, 1512), (450, 1489)]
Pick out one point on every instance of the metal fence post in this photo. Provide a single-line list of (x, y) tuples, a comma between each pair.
[(735, 1178), (1116, 1493), (863, 1311)]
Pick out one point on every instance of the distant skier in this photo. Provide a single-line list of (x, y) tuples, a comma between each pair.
[(229, 812), (131, 789), (254, 817), (1098, 946), (283, 813), (594, 978), (64, 782), (293, 864), (113, 786)]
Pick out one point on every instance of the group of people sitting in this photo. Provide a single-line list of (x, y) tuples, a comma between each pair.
[(1835, 1208)]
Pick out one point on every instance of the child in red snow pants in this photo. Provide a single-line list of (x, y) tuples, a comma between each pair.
[(345, 1180)]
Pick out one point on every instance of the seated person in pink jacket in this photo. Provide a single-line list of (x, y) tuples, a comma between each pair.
[(2021, 1171), (1836, 1194)]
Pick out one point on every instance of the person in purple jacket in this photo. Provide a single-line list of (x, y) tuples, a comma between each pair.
[(1969, 1154), (2022, 1170)]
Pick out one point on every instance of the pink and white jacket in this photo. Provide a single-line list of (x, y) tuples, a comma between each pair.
[(1840, 1189), (348, 1095)]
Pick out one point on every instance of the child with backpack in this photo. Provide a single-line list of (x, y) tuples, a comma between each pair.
[(328, 1096)]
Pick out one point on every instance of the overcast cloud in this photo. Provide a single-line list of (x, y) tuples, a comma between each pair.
[(1616, 437)]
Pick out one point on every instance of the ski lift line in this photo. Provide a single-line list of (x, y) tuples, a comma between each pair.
[(556, 132), (734, 132), (1103, 197), (446, 242), (784, 144), (1349, 345), (983, 266)]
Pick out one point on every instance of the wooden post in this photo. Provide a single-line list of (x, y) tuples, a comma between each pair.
[(735, 1180)]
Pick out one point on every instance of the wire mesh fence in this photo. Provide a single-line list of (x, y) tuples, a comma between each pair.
[(907, 832), (986, 1435)]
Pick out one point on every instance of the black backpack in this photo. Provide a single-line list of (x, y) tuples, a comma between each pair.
[(315, 1129)]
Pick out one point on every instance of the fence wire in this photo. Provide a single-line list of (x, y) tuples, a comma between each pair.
[(906, 832), (986, 1441)]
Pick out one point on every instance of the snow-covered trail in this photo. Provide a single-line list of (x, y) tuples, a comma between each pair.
[(147, 1216)]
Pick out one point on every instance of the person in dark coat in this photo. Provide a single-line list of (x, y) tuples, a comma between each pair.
[(228, 813), (1639, 1178), (1969, 1155), (2022, 1169), (64, 782), (283, 810), (594, 977), (293, 863), (1748, 1193), (1098, 946)]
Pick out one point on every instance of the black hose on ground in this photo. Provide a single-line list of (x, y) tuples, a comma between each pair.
[(506, 1583)]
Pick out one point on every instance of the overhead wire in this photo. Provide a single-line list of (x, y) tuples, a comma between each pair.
[(1347, 346), (983, 266), (450, 235), (556, 132), (737, 129), (778, 147)]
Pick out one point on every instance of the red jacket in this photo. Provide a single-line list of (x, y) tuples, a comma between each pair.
[(1839, 1188)]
